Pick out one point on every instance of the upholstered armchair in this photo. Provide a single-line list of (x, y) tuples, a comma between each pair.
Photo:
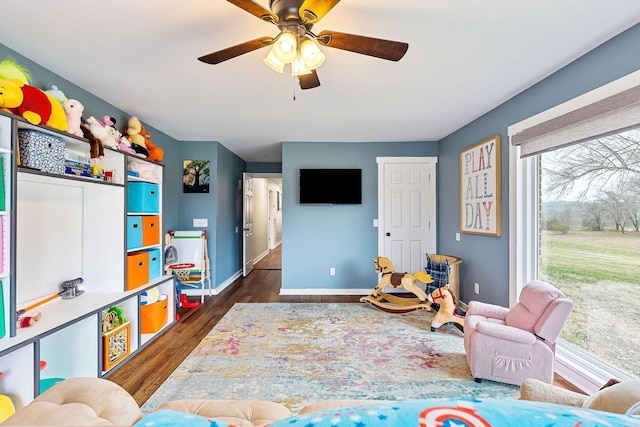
[(509, 345)]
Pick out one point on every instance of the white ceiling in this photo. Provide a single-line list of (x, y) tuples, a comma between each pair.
[(465, 57)]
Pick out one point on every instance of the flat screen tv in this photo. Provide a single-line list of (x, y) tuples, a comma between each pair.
[(330, 186)]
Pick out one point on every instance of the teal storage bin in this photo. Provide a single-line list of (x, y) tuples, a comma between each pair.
[(134, 232), (143, 197), (155, 265)]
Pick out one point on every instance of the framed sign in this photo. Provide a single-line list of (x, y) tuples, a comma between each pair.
[(480, 188)]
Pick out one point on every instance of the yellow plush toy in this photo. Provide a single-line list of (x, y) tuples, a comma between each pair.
[(135, 137), (35, 105)]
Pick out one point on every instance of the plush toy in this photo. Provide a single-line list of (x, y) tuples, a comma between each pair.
[(133, 131), (57, 94), (11, 70), (73, 110), (35, 105), (156, 154), (96, 151), (122, 143), (106, 134)]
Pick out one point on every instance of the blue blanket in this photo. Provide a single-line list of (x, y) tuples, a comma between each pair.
[(425, 413)]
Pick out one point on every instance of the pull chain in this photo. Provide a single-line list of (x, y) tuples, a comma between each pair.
[(294, 88)]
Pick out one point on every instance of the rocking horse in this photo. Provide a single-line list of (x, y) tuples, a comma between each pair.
[(447, 313), (394, 303)]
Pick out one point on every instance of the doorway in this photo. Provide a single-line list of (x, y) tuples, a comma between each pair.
[(266, 236)]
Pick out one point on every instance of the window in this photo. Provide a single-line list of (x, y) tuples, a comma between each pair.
[(589, 243), (566, 165)]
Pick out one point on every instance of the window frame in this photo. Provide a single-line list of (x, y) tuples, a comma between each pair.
[(572, 363)]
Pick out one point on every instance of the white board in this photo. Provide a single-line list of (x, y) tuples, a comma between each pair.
[(190, 245)]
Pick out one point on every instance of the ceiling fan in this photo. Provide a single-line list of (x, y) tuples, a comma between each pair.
[(297, 45)]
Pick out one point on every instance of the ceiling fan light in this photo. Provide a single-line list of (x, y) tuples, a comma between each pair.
[(286, 47), (273, 62), (298, 67), (311, 53)]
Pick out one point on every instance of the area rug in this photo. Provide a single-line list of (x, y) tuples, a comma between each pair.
[(298, 354)]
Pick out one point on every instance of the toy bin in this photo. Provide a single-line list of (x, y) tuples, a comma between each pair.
[(154, 316), (150, 230), (143, 197), (41, 151), (134, 232), (137, 269), (115, 346), (155, 267)]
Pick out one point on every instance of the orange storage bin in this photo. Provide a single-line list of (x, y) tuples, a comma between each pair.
[(137, 269), (154, 316), (150, 230)]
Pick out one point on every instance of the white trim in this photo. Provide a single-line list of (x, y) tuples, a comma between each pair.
[(324, 291), (382, 161), (523, 222)]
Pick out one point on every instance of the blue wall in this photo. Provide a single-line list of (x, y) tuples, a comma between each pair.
[(228, 240), (486, 259), (316, 238)]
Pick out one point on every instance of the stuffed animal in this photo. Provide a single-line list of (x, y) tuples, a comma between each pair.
[(133, 131), (73, 110), (122, 143), (96, 151), (11, 70), (106, 134), (35, 105), (57, 94), (156, 154)]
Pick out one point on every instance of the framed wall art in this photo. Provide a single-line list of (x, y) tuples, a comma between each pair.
[(195, 176), (480, 197)]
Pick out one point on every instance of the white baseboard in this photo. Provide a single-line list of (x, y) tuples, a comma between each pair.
[(262, 255), (325, 291)]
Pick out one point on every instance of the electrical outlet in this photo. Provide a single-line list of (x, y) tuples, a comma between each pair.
[(332, 271), (476, 288)]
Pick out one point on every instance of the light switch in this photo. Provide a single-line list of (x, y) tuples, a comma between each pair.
[(200, 222)]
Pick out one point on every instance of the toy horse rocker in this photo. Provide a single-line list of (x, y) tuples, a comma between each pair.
[(395, 303), (447, 313)]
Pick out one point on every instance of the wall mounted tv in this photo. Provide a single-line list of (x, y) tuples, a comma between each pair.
[(330, 186)]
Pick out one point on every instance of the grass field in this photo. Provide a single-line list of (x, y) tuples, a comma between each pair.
[(600, 272)]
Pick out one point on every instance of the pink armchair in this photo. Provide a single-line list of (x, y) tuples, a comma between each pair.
[(509, 345)]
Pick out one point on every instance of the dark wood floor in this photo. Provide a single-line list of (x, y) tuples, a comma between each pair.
[(149, 368)]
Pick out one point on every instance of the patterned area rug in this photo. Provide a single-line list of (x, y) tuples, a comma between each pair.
[(298, 354)]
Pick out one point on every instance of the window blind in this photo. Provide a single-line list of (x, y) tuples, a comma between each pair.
[(613, 114)]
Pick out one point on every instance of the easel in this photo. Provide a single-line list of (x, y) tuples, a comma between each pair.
[(192, 248)]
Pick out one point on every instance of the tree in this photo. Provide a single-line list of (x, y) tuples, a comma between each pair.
[(593, 165), (593, 214)]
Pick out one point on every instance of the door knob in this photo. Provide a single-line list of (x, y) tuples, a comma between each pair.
[(388, 234)]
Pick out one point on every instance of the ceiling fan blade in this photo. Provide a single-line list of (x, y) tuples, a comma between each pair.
[(379, 48), (309, 81), (311, 11), (237, 50), (255, 9)]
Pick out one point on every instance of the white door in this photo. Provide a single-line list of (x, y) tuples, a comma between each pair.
[(407, 211), (247, 224)]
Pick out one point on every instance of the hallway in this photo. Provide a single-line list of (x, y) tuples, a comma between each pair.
[(273, 261)]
